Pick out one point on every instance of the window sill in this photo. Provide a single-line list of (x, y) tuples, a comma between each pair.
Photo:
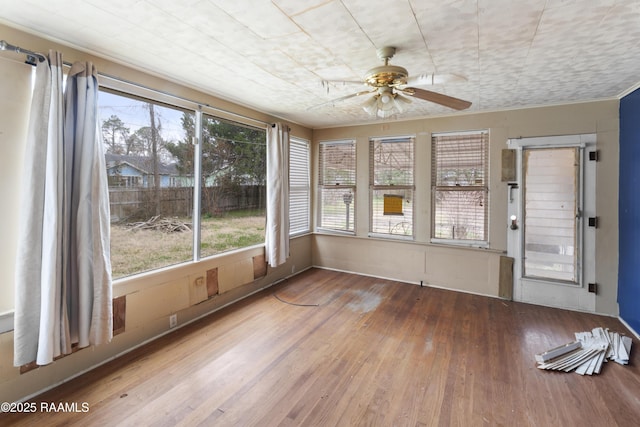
[(299, 234), (401, 238), (338, 232), (472, 244)]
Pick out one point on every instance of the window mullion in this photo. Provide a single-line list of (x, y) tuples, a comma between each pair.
[(197, 185)]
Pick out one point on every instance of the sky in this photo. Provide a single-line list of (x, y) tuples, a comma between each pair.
[(134, 115)]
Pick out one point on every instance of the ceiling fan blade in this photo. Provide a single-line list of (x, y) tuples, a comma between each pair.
[(438, 98), (434, 79), (342, 98)]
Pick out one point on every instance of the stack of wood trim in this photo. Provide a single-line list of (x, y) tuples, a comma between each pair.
[(586, 355)]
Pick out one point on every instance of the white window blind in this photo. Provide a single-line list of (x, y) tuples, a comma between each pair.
[(337, 184), (391, 167), (299, 190), (460, 186)]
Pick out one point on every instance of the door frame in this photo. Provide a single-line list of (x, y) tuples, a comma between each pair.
[(552, 293)]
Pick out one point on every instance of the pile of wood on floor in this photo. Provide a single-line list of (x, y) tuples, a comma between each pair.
[(587, 353), (167, 225)]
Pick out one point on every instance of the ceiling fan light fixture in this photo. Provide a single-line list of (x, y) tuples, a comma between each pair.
[(389, 105), (399, 98), (385, 103), (383, 114), (371, 106), (397, 104), (386, 98)]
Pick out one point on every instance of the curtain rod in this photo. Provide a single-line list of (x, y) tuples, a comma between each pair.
[(32, 57)]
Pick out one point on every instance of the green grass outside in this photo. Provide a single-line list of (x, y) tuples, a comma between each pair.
[(137, 251)]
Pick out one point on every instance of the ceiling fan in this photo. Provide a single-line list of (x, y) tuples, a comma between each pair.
[(391, 83)]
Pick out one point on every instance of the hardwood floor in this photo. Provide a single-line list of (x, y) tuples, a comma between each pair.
[(356, 351)]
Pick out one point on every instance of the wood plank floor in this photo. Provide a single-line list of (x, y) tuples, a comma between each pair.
[(356, 351)]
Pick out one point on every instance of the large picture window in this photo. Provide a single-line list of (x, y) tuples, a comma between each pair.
[(391, 166), (299, 187), (337, 185), (150, 158), (460, 186)]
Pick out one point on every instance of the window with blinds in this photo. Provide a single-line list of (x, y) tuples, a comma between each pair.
[(391, 167), (337, 185), (460, 178), (299, 190)]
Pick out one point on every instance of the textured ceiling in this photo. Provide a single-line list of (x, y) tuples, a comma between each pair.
[(274, 55)]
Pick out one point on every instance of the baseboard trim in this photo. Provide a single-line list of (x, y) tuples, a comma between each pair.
[(426, 285), (633, 331)]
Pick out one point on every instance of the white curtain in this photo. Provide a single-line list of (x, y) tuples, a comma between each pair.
[(37, 296), (63, 265), (88, 266), (277, 229)]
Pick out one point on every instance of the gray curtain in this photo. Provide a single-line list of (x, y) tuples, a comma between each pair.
[(277, 228), (63, 271)]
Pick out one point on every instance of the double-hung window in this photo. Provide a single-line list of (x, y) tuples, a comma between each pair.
[(337, 185), (391, 172), (460, 177), (299, 191)]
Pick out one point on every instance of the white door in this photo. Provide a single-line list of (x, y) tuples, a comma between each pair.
[(549, 236)]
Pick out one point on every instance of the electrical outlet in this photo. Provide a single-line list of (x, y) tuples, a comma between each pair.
[(173, 320)]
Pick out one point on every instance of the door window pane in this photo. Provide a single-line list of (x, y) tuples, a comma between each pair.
[(550, 184)]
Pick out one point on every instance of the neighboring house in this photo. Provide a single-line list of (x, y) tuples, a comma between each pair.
[(129, 171)]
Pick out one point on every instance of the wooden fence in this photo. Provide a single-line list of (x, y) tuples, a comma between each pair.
[(129, 204)]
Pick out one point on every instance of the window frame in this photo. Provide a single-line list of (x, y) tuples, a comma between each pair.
[(391, 187), (138, 92), (206, 116), (483, 187), (324, 184), (146, 181)]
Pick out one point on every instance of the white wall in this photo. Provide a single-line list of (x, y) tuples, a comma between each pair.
[(15, 86)]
